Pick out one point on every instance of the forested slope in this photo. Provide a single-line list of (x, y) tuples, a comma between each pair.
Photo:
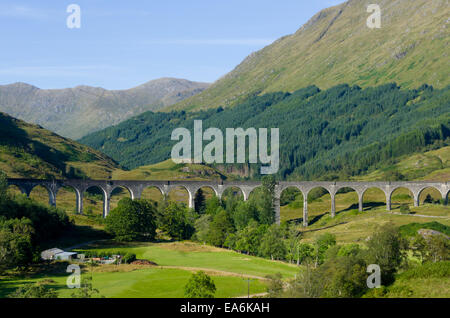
[(336, 133)]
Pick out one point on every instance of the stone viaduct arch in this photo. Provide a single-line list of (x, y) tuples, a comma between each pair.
[(136, 187)]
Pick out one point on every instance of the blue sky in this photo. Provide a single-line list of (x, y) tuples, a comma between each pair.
[(122, 44)]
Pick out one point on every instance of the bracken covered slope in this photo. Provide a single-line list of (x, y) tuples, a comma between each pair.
[(336, 46)]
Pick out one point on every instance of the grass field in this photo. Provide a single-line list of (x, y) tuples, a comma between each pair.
[(193, 255), (140, 283), (176, 262)]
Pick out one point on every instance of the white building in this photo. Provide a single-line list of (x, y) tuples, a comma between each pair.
[(50, 254), (57, 254)]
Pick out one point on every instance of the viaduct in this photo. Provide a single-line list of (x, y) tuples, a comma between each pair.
[(136, 187)]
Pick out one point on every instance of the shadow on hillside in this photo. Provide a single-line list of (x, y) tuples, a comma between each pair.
[(366, 206), (13, 136), (39, 273), (111, 243), (372, 205), (317, 218), (299, 221)]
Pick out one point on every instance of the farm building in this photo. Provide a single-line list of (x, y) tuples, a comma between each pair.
[(50, 254), (65, 256), (56, 253)]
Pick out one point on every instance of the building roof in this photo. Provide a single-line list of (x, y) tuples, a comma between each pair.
[(66, 254), (53, 251)]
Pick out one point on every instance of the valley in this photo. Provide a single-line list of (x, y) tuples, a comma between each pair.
[(342, 102)]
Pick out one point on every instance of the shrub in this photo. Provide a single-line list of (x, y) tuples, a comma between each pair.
[(131, 220), (129, 258), (412, 228), (48, 222), (37, 290), (428, 270), (200, 285), (176, 222), (220, 227), (89, 211), (275, 285), (386, 248)]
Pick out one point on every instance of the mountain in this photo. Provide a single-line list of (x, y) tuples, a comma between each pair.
[(30, 151), (75, 112), (338, 133), (336, 46)]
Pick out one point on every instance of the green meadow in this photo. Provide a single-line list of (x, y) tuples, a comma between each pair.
[(140, 283), (176, 263), (193, 255)]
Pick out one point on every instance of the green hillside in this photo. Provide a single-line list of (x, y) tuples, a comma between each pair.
[(29, 151), (168, 170), (432, 165), (335, 46), (336, 133)]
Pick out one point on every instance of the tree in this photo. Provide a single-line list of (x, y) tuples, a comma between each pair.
[(220, 228), (308, 283), (343, 276), (16, 248), (428, 199), (200, 285), (3, 187), (231, 241), (244, 212), (418, 245), (249, 238), (200, 202), (305, 253), (386, 249), (267, 213), (272, 244), (275, 285), (321, 245), (438, 247), (131, 220), (212, 205), (293, 245), (176, 222), (349, 250), (86, 289), (128, 258), (289, 195), (202, 228)]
